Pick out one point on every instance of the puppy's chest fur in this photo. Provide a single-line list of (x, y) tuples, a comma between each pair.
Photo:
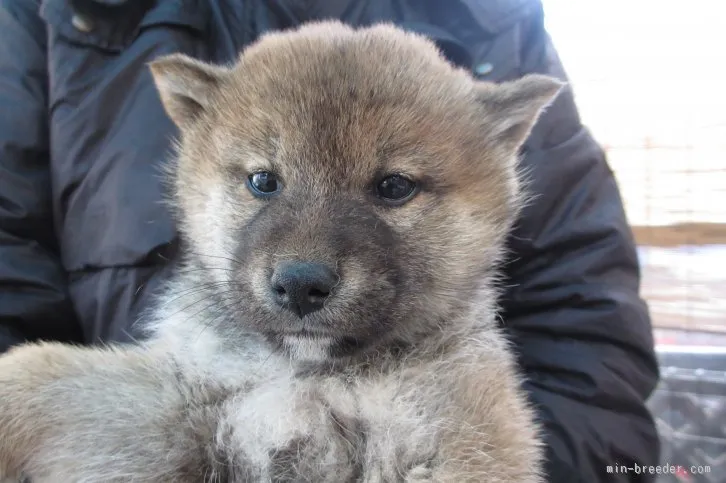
[(336, 427)]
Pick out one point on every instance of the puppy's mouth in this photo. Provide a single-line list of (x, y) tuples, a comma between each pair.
[(308, 333)]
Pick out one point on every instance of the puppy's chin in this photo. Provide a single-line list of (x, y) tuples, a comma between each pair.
[(306, 348)]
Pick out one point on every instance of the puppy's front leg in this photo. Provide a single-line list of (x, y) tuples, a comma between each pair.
[(106, 415), (458, 417), (492, 435)]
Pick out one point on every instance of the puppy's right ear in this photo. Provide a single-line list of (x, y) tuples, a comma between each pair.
[(185, 85)]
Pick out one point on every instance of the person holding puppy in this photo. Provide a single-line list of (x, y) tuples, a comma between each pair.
[(85, 242)]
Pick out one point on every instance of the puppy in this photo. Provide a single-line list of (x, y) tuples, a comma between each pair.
[(344, 196)]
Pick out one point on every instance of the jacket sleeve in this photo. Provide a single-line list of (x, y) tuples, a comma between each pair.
[(573, 307), (33, 299)]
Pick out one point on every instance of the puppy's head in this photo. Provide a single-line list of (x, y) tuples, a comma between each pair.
[(342, 189)]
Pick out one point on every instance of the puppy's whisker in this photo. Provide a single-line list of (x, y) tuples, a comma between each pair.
[(198, 288), (229, 259), (204, 270), (222, 310), (207, 296)]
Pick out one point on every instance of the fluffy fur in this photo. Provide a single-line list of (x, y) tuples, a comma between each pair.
[(401, 376)]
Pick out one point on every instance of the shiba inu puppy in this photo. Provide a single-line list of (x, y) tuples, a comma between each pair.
[(344, 196)]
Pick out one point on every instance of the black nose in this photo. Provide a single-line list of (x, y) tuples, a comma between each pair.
[(302, 287)]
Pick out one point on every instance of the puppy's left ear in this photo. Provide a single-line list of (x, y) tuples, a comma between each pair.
[(512, 108), (185, 85)]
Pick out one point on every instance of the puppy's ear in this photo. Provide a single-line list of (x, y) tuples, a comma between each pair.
[(185, 85), (512, 108)]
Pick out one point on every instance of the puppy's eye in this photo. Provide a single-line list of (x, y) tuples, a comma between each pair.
[(396, 188), (263, 183)]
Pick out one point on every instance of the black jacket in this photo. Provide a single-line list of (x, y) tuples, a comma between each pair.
[(84, 239)]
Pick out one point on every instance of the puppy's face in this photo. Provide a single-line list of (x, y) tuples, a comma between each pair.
[(345, 188)]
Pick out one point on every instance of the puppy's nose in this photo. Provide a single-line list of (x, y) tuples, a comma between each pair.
[(302, 287)]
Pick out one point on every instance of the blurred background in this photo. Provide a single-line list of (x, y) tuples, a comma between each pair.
[(648, 76)]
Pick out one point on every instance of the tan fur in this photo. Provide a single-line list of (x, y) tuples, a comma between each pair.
[(432, 395)]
